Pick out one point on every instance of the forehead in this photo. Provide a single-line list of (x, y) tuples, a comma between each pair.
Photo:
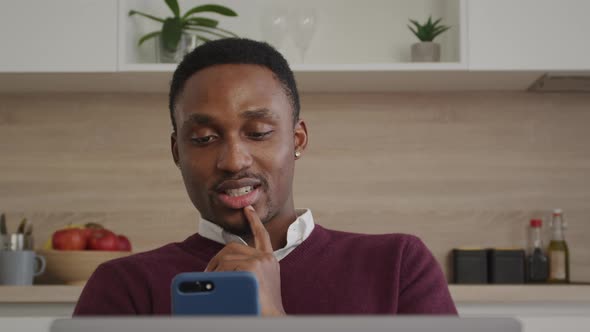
[(232, 88)]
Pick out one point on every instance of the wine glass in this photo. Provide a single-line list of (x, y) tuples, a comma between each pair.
[(274, 27), (303, 24)]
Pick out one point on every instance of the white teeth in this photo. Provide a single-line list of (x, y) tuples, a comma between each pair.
[(239, 191)]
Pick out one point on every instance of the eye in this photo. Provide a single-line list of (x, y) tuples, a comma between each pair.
[(204, 139), (260, 135)]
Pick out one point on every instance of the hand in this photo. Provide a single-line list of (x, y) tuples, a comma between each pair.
[(258, 260)]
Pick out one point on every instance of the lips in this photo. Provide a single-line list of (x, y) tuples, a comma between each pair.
[(236, 184), (237, 194), (241, 201)]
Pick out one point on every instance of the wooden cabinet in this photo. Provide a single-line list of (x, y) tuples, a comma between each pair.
[(528, 35), (58, 36)]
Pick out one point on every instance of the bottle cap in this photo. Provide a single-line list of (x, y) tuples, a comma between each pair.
[(536, 223), (557, 211)]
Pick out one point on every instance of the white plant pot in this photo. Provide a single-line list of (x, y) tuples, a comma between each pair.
[(426, 52)]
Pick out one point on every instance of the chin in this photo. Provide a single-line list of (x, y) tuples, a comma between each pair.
[(233, 221), (239, 230)]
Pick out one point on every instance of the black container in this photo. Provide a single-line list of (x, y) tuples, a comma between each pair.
[(506, 266), (470, 266)]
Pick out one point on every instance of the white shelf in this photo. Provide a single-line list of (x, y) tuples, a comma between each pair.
[(370, 37), (156, 79), (379, 67), (148, 67), (300, 68)]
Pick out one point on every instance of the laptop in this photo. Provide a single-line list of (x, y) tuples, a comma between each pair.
[(287, 324)]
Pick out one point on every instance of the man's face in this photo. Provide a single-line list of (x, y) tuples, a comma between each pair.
[(235, 144)]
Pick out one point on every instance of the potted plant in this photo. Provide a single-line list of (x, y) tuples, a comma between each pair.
[(427, 50), (182, 33)]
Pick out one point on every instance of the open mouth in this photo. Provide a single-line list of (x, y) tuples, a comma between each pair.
[(240, 191), (240, 197)]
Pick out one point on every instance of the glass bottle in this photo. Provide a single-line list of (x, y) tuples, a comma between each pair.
[(558, 252), (537, 262)]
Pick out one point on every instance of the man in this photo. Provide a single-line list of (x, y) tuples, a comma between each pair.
[(237, 134)]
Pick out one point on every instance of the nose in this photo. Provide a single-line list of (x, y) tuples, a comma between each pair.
[(234, 157)]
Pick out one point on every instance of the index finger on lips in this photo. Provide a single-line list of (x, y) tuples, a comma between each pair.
[(261, 237)]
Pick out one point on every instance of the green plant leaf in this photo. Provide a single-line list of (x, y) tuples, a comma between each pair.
[(413, 31), (171, 33), (135, 12), (436, 22), (148, 36), (202, 21), (222, 10), (206, 30), (226, 31), (206, 40), (173, 5), (440, 31), (429, 30)]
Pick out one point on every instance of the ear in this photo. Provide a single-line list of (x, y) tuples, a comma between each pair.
[(174, 148), (300, 136)]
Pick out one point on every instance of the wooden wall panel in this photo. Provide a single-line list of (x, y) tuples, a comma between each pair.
[(457, 169)]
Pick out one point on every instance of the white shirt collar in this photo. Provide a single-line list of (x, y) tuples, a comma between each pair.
[(298, 232)]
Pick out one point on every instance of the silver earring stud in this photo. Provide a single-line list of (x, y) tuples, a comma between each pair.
[(297, 154)]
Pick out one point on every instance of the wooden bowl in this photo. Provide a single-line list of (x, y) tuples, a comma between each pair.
[(73, 267)]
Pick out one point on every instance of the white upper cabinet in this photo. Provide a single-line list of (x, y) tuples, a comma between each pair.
[(58, 36), (528, 34)]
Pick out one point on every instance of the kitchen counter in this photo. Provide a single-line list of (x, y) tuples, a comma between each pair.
[(471, 300), (481, 294), (40, 294)]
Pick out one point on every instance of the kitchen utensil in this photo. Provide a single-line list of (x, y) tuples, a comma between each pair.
[(3, 233), (22, 226), (17, 241), (29, 237), (3, 230)]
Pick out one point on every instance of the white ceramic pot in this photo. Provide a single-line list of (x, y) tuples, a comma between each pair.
[(426, 52)]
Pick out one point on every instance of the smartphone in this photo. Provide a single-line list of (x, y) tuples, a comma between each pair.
[(215, 293)]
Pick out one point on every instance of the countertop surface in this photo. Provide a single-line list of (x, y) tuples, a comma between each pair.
[(461, 293)]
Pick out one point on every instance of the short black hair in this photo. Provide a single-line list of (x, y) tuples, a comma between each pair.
[(233, 51)]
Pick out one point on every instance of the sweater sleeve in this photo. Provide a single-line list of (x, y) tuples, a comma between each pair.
[(106, 293), (423, 287)]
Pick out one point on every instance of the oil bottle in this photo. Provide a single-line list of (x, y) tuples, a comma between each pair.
[(558, 252)]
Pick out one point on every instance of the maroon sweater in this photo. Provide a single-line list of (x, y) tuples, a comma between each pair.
[(331, 272)]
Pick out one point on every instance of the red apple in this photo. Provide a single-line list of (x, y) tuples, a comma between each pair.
[(123, 243), (91, 227), (102, 239), (69, 239), (87, 233)]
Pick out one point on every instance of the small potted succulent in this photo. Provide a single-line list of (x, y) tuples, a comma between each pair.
[(426, 50), (181, 33)]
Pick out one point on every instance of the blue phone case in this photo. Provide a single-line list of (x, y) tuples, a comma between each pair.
[(233, 293)]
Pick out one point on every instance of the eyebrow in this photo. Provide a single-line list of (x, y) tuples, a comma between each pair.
[(200, 119), (261, 113)]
